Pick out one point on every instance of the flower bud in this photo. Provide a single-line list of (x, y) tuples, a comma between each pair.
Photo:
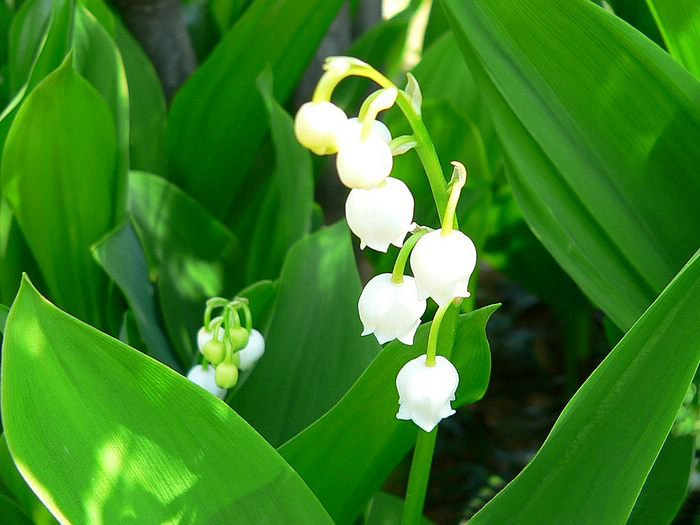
[(425, 392), (214, 351), (363, 162), (442, 265), (316, 125), (204, 336), (390, 310), (206, 379), (239, 337), (354, 127), (253, 351), (382, 215), (226, 375)]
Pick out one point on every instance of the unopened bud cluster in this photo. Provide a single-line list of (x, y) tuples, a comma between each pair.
[(379, 210), (227, 346)]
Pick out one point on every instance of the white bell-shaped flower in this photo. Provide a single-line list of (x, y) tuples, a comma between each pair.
[(204, 336), (253, 351), (425, 392), (363, 163), (317, 124), (390, 310), (381, 216), (206, 379), (442, 265)]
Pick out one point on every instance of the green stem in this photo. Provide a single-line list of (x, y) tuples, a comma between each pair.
[(434, 332), (418, 478), (459, 179), (424, 147), (400, 264)]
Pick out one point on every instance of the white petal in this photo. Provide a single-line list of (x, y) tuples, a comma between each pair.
[(317, 125), (381, 216), (206, 380), (253, 351)]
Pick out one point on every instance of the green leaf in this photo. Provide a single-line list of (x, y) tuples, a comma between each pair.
[(130, 438), (667, 484), (261, 297), (97, 59), (637, 13), (286, 212), (679, 22), (4, 310), (39, 40), (314, 351), (386, 509), (361, 433), (191, 254), (217, 119), (10, 512), (19, 491), (147, 112), (121, 256), (61, 186), (591, 178), (601, 449)]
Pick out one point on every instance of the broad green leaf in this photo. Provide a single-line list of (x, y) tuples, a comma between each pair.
[(97, 59), (4, 310), (15, 256), (386, 509), (667, 484), (40, 37), (592, 178), (12, 513), (217, 119), (192, 256), (61, 186), (131, 440), (19, 491), (314, 351), (286, 212), (679, 22), (596, 458), (121, 256), (361, 433), (27, 35), (147, 112), (637, 13)]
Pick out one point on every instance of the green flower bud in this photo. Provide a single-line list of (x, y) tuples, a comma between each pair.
[(226, 375), (214, 351), (239, 337)]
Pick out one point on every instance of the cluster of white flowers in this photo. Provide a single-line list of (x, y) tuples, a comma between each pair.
[(226, 347), (379, 210)]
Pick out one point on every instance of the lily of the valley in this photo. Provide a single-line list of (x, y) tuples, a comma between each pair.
[(317, 124), (381, 216), (206, 379), (442, 265), (425, 392), (390, 310), (363, 161), (252, 351)]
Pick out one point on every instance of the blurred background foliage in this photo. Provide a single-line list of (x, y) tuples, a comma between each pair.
[(149, 162)]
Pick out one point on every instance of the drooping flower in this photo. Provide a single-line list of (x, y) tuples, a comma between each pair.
[(442, 265), (363, 162), (381, 216), (253, 351), (226, 375), (206, 379), (317, 124), (390, 310), (425, 392), (204, 335)]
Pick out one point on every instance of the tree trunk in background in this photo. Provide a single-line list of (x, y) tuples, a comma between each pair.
[(159, 26)]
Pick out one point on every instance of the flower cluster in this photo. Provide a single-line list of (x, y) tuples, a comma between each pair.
[(226, 345), (379, 210)]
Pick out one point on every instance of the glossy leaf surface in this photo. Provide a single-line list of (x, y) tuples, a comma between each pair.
[(131, 439)]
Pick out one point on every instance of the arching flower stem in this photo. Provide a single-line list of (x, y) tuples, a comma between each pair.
[(400, 264)]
